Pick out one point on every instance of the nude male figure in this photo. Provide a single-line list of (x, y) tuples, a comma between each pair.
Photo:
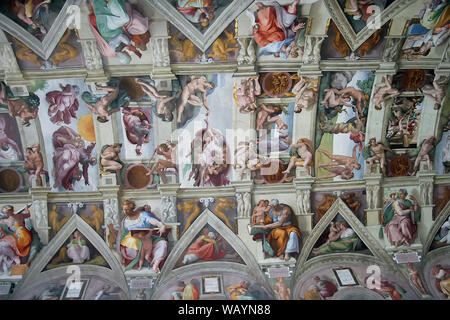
[(305, 96), (267, 115), (110, 157), (384, 92), (161, 100), (259, 213), (246, 156), (336, 171), (359, 96), (166, 150), (437, 93), (282, 290), (100, 108), (246, 94), (427, 145), (304, 154), (334, 99), (147, 246), (34, 162), (414, 275), (350, 163), (197, 85), (379, 150)]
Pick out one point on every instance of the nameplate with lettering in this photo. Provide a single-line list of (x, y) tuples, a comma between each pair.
[(405, 257), (5, 287), (140, 283), (282, 272)]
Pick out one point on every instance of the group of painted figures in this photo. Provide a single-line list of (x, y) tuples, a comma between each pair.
[(121, 31), (71, 152)]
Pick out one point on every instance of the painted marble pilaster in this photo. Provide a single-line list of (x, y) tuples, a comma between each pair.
[(39, 213), (160, 48), (168, 208), (303, 188), (92, 57), (247, 48), (8, 63), (245, 204), (374, 180)]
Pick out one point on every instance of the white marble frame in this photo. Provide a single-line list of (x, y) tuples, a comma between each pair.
[(429, 262), (356, 40), (201, 40), (209, 218), (35, 273), (443, 216), (43, 48), (339, 207)]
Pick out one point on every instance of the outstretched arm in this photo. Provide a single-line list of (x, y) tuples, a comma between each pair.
[(386, 148), (266, 108), (149, 90), (328, 176), (105, 88), (114, 110), (91, 107), (23, 216), (354, 153), (279, 223), (205, 102), (14, 144)]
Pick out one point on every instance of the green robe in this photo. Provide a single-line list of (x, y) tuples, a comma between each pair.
[(389, 213), (111, 16), (342, 245)]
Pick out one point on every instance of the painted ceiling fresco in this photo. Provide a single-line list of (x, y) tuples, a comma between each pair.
[(224, 149)]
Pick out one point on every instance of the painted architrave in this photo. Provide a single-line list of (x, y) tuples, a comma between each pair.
[(339, 207), (35, 274), (356, 40), (443, 216), (201, 40), (43, 48), (209, 218)]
